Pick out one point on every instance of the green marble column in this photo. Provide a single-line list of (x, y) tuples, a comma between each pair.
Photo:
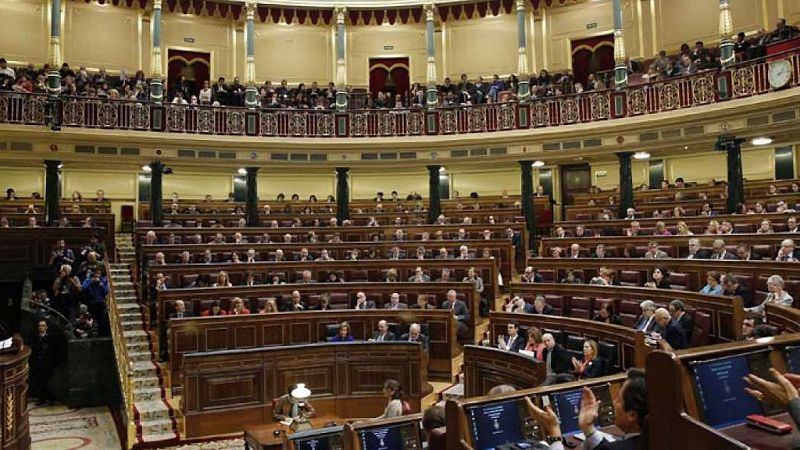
[(528, 208), (251, 197), (434, 193), (342, 194), (156, 193), (625, 183), (52, 180)]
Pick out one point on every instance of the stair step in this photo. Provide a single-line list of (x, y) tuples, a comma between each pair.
[(141, 356), (158, 437), (137, 336), (127, 307), (146, 382), (151, 410), (137, 347), (147, 394)]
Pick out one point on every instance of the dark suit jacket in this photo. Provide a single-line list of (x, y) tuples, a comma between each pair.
[(702, 254), (519, 343), (426, 346), (399, 306), (674, 335), (632, 443), (389, 336), (597, 367), (641, 320), (459, 309), (547, 311), (686, 323), (174, 314), (561, 361), (726, 256), (370, 305)]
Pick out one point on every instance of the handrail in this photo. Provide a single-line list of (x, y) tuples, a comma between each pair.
[(703, 88), (124, 364)]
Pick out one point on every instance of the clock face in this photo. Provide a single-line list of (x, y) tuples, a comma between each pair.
[(780, 73)]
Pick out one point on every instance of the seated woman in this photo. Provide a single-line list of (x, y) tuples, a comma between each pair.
[(660, 279), (396, 407), (777, 295), (765, 227), (237, 307), (713, 286), (535, 343), (683, 229), (606, 314), (269, 307), (222, 280), (344, 334), (324, 302), (215, 310), (592, 366)]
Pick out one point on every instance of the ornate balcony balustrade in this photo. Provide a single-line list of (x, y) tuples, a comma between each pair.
[(742, 80)]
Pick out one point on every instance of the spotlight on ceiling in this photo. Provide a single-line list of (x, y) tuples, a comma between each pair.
[(146, 168), (538, 163), (641, 155), (761, 141), (242, 171)]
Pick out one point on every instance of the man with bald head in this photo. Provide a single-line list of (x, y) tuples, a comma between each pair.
[(558, 363), (362, 302), (383, 334), (459, 310), (415, 335), (295, 303), (394, 302), (667, 333), (180, 310)]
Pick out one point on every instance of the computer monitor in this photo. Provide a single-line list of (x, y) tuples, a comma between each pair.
[(567, 405), (792, 353), (328, 438), (494, 424), (719, 385), (401, 436)]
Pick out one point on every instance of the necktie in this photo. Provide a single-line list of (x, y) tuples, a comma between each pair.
[(549, 366), (380, 338)]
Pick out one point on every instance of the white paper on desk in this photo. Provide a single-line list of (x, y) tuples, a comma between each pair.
[(287, 421), (528, 353), (579, 436), (6, 343)]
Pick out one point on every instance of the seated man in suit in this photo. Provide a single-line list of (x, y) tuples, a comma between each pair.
[(695, 252), (362, 302), (306, 278), (788, 252), (419, 276), (513, 342), (383, 333), (394, 302), (646, 322), (720, 252), (530, 276), (415, 335), (746, 253), (540, 306), (630, 412), (180, 311), (558, 362), (295, 303), (459, 310), (668, 334), (519, 305), (678, 311), (304, 255)]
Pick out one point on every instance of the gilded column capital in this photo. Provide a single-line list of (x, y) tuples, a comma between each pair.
[(250, 10), (430, 12), (156, 4), (520, 5), (340, 12)]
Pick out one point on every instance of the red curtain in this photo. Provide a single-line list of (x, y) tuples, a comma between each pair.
[(195, 66), (592, 55), (388, 74)]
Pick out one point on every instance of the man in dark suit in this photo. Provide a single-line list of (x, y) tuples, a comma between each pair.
[(788, 252), (362, 302), (540, 306), (630, 412), (394, 302), (43, 361), (295, 303), (668, 333), (695, 252), (646, 321), (415, 335), (558, 363), (180, 311), (678, 311), (304, 255), (733, 288), (519, 305), (720, 252), (459, 310), (422, 303), (383, 334), (513, 342), (746, 253)]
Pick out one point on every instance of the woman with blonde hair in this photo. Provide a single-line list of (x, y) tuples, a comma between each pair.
[(223, 280), (683, 229)]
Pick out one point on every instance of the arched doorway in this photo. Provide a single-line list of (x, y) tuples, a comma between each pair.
[(388, 75), (592, 55), (194, 66)]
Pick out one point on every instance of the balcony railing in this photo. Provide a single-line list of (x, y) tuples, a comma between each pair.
[(742, 80)]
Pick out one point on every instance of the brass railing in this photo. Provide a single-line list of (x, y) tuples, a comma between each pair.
[(703, 88), (124, 365)]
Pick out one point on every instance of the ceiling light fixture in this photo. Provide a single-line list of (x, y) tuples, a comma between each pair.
[(242, 171), (146, 168), (538, 163), (641, 155), (761, 141)]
